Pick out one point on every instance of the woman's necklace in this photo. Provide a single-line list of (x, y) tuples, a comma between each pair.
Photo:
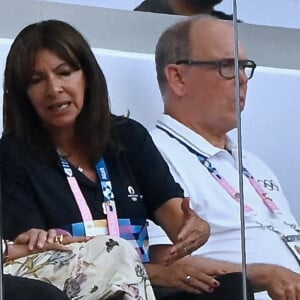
[(67, 156)]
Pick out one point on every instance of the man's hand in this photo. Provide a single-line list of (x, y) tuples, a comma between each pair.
[(280, 283)]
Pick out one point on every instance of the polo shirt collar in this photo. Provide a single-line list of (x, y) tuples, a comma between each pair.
[(191, 138)]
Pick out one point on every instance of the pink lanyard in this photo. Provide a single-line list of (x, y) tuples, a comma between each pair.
[(224, 183), (109, 206)]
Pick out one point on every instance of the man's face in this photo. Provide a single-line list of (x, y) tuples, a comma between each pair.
[(210, 98)]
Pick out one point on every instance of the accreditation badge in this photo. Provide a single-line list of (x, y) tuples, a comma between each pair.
[(293, 243)]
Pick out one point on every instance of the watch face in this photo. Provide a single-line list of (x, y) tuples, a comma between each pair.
[(3, 247)]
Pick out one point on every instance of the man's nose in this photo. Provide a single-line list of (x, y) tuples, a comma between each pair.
[(243, 76)]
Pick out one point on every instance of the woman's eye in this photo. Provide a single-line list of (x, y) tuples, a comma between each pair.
[(35, 80), (66, 72)]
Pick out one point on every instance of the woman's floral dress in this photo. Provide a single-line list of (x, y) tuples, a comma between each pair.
[(105, 267)]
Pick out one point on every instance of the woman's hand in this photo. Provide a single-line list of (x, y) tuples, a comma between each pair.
[(15, 251), (35, 238), (193, 234), (183, 226), (38, 239), (184, 274)]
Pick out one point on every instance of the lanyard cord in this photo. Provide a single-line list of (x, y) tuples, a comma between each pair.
[(231, 191), (80, 200), (109, 206), (224, 183)]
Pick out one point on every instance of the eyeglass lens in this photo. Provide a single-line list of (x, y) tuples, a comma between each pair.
[(227, 68)]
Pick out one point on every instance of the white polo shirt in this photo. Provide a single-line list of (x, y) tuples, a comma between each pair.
[(215, 205)]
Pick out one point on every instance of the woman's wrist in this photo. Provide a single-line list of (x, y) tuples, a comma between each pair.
[(6, 244)]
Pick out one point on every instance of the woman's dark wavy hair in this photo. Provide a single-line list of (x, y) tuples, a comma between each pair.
[(20, 118)]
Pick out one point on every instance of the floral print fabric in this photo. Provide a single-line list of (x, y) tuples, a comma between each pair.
[(101, 268)]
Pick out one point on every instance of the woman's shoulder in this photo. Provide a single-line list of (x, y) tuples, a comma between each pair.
[(128, 127), (9, 142), (128, 134), (12, 151)]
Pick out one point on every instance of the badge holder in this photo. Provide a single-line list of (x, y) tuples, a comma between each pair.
[(293, 243)]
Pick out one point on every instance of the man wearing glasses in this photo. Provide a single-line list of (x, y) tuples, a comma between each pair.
[(196, 75)]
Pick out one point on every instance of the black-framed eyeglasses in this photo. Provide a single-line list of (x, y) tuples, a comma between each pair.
[(225, 66)]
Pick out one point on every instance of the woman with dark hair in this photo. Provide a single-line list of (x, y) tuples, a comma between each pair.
[(68, 163), (23, 119)]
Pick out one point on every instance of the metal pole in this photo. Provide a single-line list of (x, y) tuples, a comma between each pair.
[(239, 142), (1, 249)]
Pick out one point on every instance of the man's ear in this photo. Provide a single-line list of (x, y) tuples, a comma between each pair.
[(174, 74)]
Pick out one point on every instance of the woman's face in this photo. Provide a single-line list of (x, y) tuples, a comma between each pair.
[(56, 91)]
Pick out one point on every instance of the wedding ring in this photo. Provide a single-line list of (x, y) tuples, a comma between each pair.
[(59, 239), (185, 250), (187, 278)]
